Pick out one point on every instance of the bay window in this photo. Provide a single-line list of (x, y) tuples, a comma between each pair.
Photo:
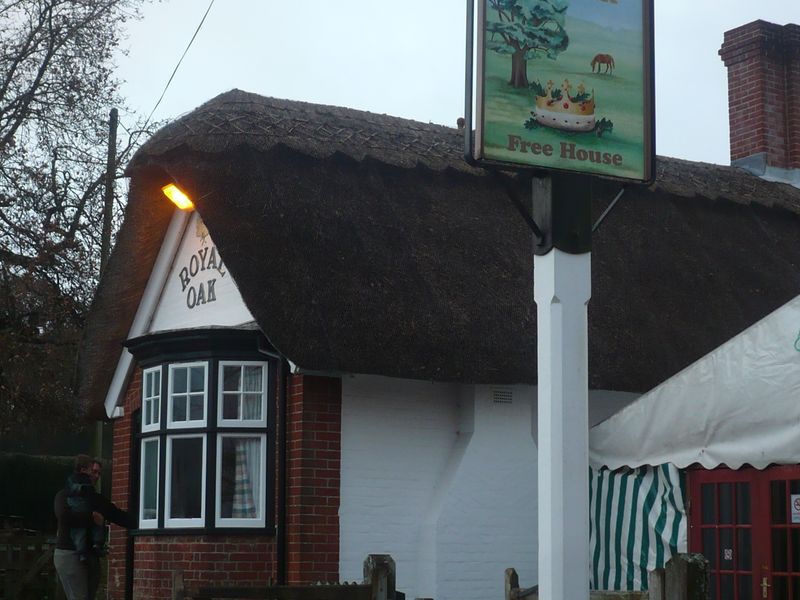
[(206, 440)]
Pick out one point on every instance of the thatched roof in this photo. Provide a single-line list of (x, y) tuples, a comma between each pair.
[(363, 243)]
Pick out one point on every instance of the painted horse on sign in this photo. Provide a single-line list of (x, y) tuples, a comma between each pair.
[(603, 59)]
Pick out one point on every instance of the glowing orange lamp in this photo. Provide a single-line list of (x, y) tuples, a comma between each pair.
[(178, 197)]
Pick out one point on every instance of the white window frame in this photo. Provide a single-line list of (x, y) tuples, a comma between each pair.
[(261, 423), (187, 424), (156, 424), (200, 521), (149, 523), (261, 520)]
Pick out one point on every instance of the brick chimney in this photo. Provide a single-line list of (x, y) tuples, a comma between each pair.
[(763, 61)]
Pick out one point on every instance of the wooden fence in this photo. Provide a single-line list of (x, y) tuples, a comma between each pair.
[(684, 578), (26, 563), (378, 584)]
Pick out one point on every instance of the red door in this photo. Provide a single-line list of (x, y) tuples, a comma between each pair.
[(747, 523)]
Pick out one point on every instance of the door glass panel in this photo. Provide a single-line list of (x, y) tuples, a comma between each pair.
[(743, 503), (708, 502), (794, 486), (710, 547), (744, 552), (780, 588), (726, 586), (779, 551), (712, 586), (745, 587), (778, 501), (726, 548), (726, 503), (795, 588), (795, 534)]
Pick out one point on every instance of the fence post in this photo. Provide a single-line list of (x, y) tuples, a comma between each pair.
[(687, 577), (379, 571), (655, 585), (512, 584)]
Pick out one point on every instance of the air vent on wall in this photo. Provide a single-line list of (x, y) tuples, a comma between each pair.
[(502, 395)]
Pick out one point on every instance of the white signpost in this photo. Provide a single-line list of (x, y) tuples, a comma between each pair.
[(579, 113), (562, 289)]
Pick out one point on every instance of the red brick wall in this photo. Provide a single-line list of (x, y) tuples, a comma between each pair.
[(313, 473), (314, 413), (204, 559), (120, 456), (792, 36), (763, 73)]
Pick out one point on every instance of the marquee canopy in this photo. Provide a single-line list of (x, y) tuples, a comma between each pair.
[(737, 405)]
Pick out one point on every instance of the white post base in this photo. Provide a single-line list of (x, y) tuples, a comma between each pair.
[(562, 288)]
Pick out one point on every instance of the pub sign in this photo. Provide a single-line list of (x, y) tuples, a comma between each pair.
[(564, 84)]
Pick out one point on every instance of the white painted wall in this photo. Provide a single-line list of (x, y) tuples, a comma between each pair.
[(397, 437), (444, 479), (487, 521)]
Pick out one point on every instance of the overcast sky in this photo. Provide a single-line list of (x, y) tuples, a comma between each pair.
[(407, 59)]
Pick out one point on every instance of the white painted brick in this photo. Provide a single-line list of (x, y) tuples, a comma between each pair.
[(443, 479)]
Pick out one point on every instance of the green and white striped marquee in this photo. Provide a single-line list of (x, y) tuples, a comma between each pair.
[(637, 522)]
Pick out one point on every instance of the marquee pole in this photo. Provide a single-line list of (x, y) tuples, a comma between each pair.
[(562, 288)]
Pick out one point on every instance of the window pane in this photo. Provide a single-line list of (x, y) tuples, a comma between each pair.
[(198, 383), (726, 586), (780, 588), (252, 406), (725, 503), (156, 408), (179, 408), (777, 490), (148, 412), (186, 482), (779, 550), (150, 479), (230, 406), (252, 379), (196, 408), (726, 548), (796, 550), (240, 478), (745, 587), (230, 379), (710, 547), (708, 502), (179, 380), (743, 503), (744, 560)]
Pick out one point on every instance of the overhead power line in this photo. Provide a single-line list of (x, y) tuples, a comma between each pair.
[(177, 66)]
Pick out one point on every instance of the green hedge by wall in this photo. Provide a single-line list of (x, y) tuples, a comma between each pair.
[(29, 484)]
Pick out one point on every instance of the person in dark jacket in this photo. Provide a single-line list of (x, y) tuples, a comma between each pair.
[(80, 489), (80, 578)]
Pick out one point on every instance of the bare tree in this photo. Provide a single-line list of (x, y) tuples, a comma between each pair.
[(57, 85)]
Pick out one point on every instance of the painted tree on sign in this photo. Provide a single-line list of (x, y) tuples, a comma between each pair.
[(526, 29)]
